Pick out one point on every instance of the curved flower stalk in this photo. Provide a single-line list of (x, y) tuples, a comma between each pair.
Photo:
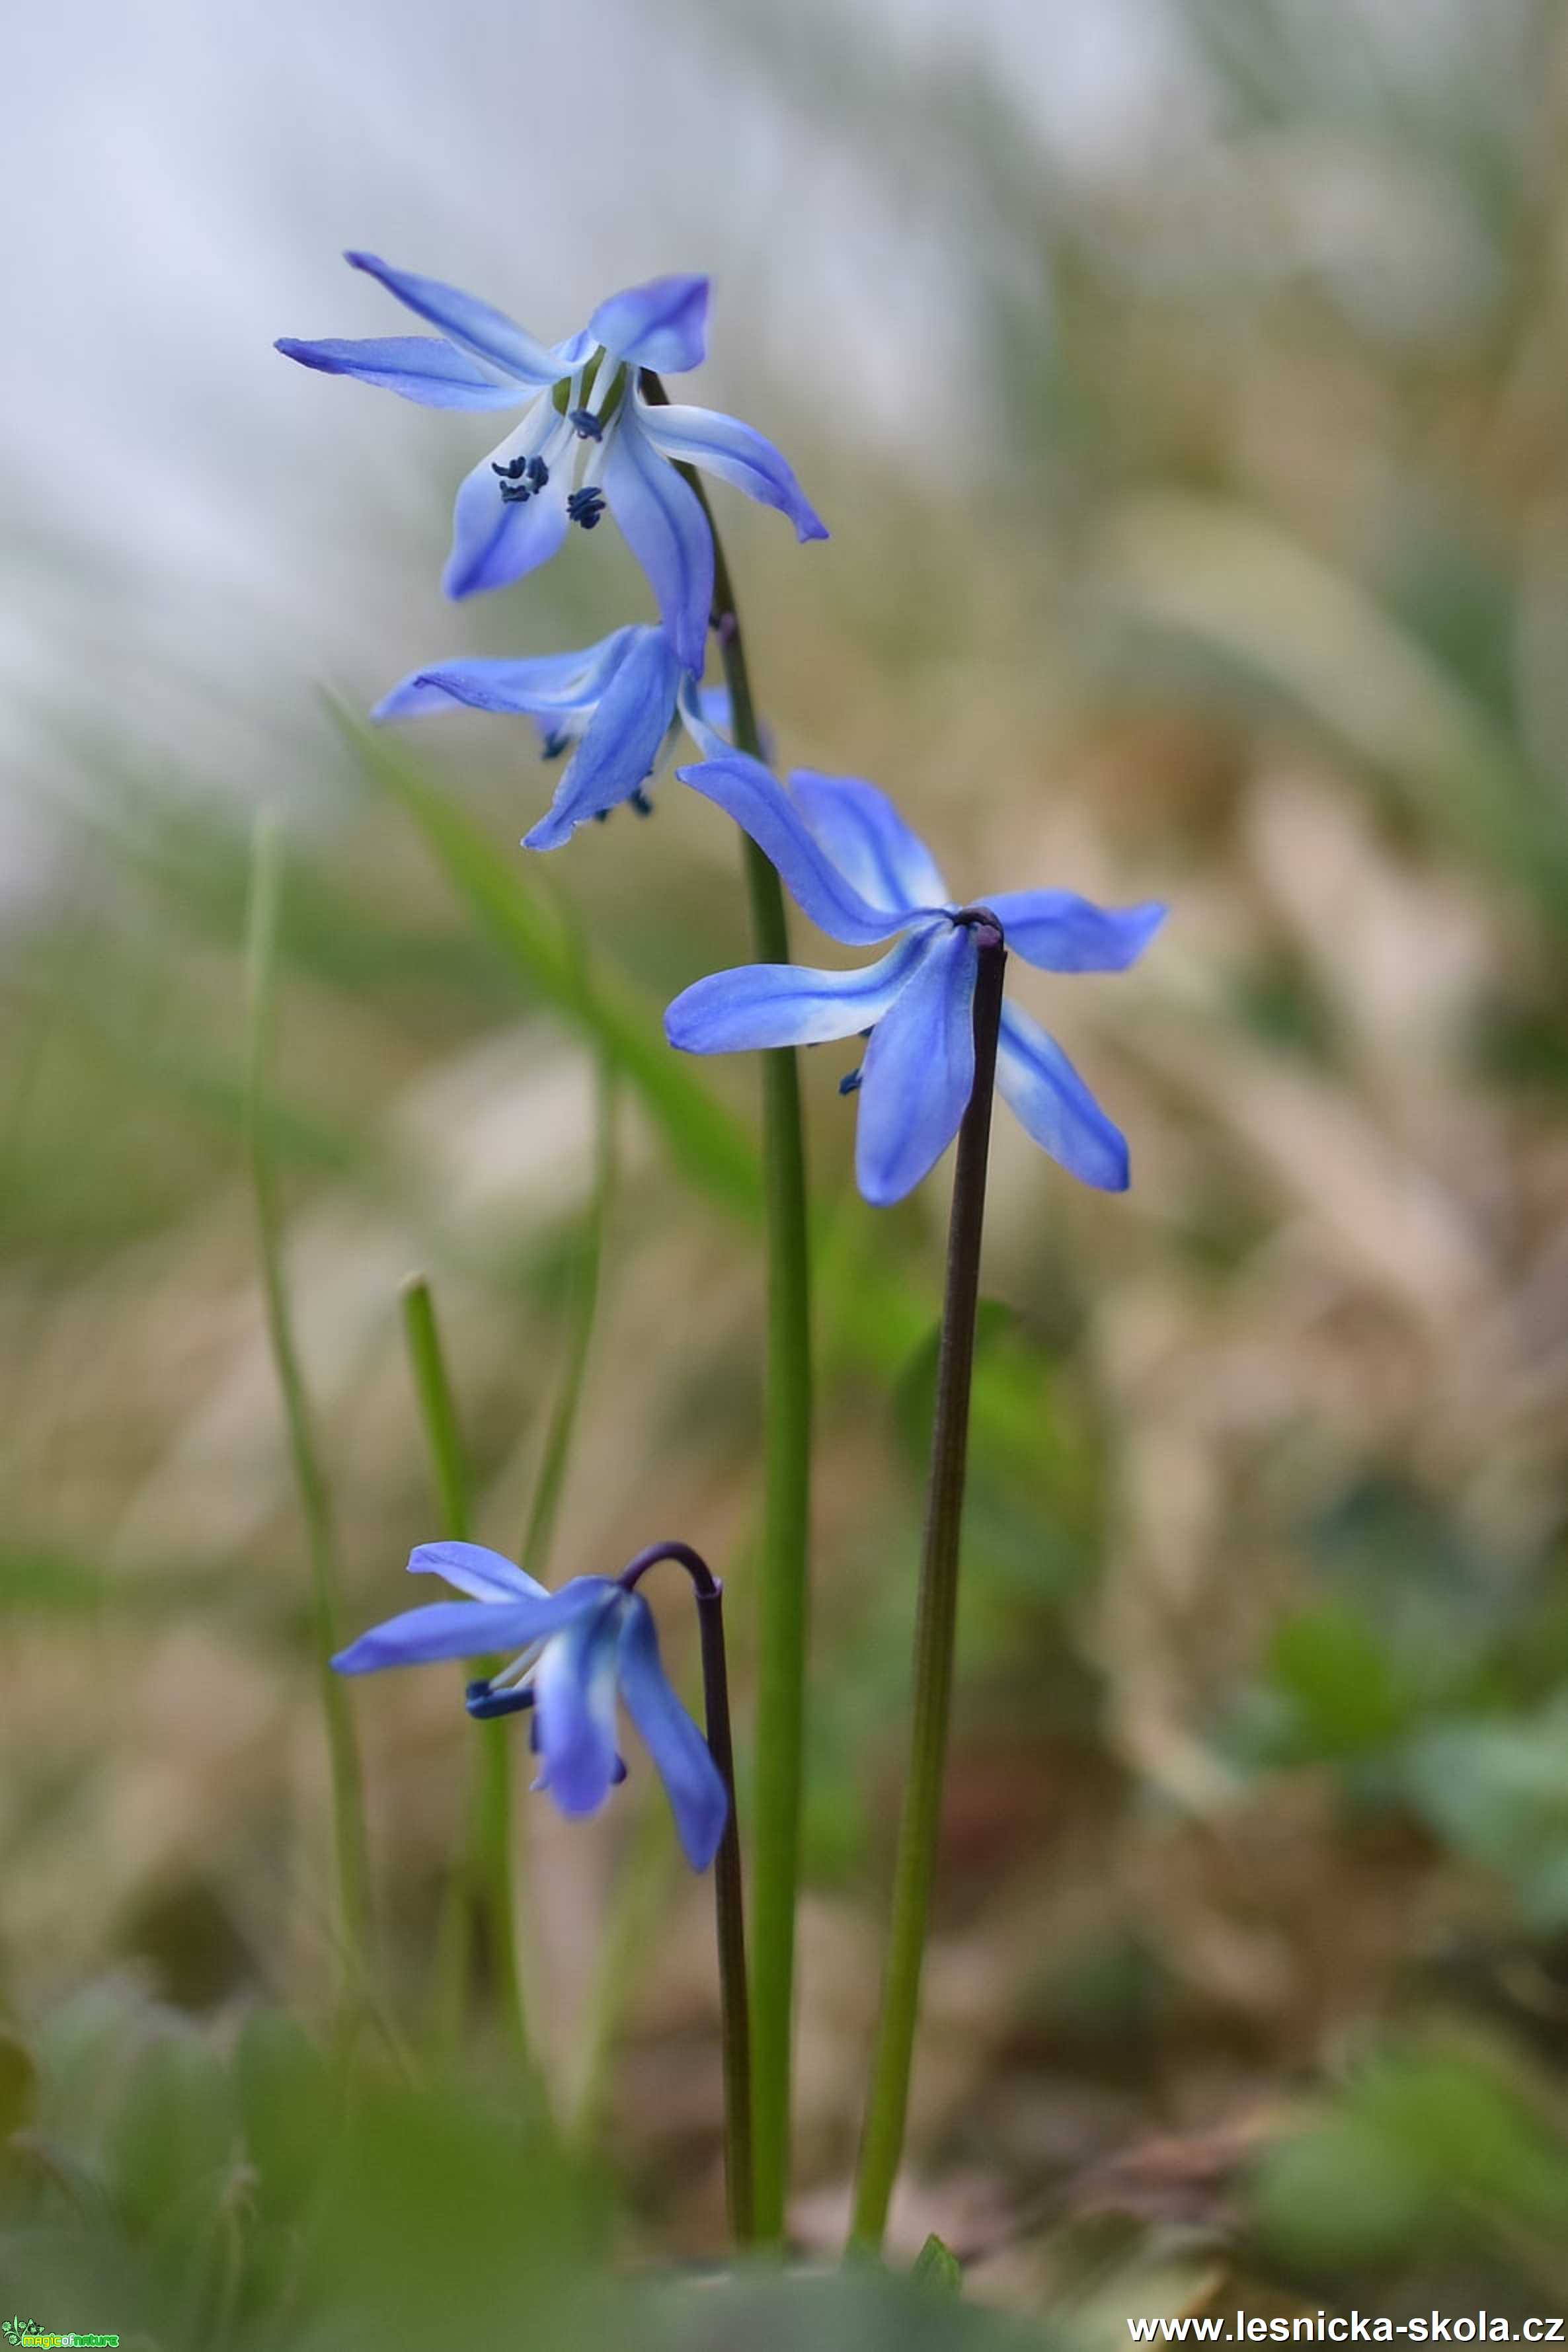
[(615, 706), (578, 1650), (587, 438), (852, 865)]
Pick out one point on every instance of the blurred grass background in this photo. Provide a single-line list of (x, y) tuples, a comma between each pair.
[(1183, 383)]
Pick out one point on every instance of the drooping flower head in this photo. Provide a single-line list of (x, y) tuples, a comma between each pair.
[(852, 865), (613, 711), (578, 1650), (587, 437), (613, 708)]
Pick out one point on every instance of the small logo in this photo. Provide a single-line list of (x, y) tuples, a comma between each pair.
[(28, 2332)]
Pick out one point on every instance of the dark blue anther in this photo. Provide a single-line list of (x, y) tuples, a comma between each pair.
[(554, 743), (601, 816), (640, 802), (483, 1703), (515, 494), (585, 507), (538, 472), (512, 473), (849, 1084), (588, 427)]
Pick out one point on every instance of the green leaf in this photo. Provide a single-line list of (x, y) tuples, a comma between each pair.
[(706, 1143), (1345, 1699), (938, 2266), (1497, 1790)]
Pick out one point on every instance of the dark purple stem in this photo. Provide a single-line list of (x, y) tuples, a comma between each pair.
[(729, 1894)]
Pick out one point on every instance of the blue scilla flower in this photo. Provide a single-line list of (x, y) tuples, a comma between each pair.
[(851, 864), (587, 436), (613, 706), (578, 1649)]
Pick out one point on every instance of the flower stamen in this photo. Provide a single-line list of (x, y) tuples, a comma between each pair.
[(485, 1702)]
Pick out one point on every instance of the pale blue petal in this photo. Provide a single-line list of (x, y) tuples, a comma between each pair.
[(919, 1071), (461, 1629), (763, 1004), (723, 446), (424, 368), (667, 531), (575, 1687), (496, 541), (474, 325), (661, 325), (1060, 931), (548, 686), (697, 1795), (869, 841), (761, 807), (485, 1575), (622, 743), (1050, 1101), (705, 715)]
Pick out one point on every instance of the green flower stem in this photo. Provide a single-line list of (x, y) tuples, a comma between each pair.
[(315, 1502), (481, 1887), (882, 2134), (783, 1563)]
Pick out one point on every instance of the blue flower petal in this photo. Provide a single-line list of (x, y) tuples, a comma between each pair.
[(574, 1710), (869, 841), (1060, 931), (548, 686), (763, 1005), (485, 1575), (919, 1071), (723, 446), (474, 325), (461, 1629), (667, 531), (663, 324), (496, 541), (761, 807), (697, 1795), (622, 743), (1050, 1101), (424, 368), (706, 716)]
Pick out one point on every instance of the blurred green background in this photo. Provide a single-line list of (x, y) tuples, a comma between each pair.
[(1184, 383)]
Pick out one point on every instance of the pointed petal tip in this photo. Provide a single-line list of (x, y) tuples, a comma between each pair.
[(700, 1842), (548, 834), (878, 1193)]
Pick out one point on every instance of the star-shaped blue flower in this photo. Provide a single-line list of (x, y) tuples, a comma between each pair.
[(578, 1649), (613, 706), (850, 861), (587, 436)]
